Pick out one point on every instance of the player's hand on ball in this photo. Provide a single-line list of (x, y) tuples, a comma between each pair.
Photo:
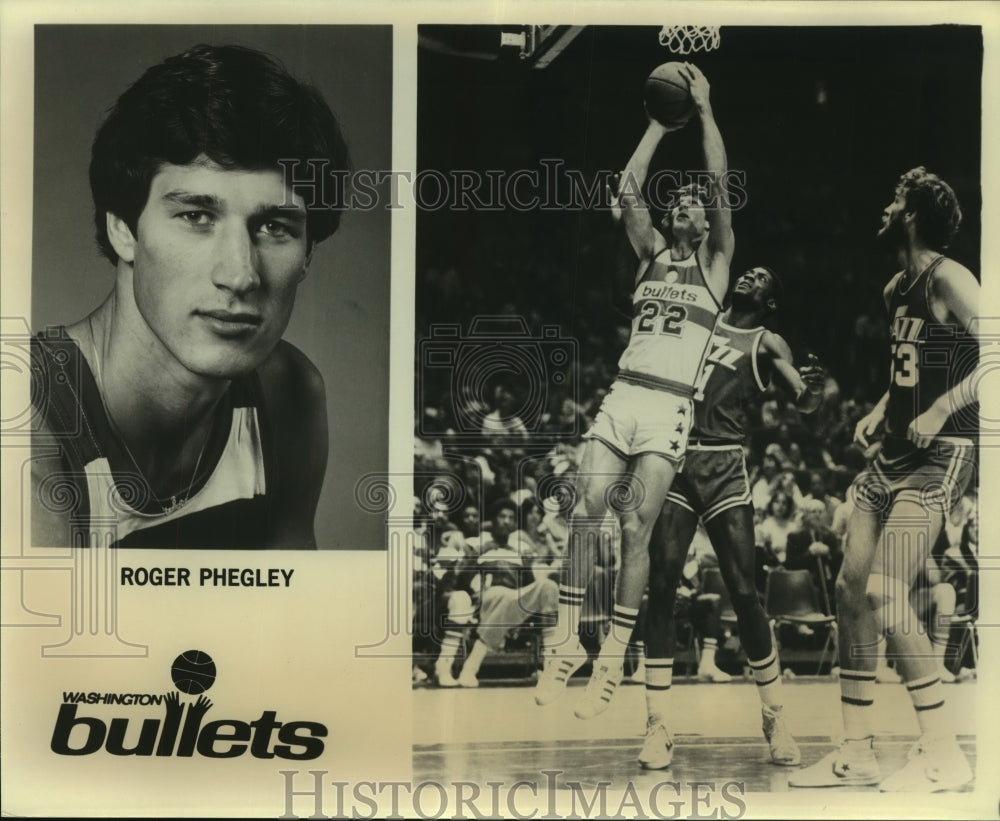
[(698, 84), (925, 427), (656, 125)]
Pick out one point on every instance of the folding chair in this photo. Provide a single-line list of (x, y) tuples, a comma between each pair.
[(712, 582), (965, 616), (791, 598)]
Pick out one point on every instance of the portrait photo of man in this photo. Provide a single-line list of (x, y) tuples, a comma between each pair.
[(178, 399)]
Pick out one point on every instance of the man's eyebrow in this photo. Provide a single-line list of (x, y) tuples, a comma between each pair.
[(292, 213), (181, 197)]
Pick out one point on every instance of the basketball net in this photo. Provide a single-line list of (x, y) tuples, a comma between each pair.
[(689, 39)]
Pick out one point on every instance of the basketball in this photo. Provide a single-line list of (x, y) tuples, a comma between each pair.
[(666, 95), (193, 672)]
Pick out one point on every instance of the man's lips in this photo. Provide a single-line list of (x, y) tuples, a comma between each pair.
[(231, 323)]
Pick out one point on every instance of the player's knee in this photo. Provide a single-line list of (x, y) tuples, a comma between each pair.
[(850, 594), (548, 595), (460, 607), (888, 598), (636, 530)]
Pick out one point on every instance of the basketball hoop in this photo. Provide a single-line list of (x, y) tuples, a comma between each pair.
[(689, 39)]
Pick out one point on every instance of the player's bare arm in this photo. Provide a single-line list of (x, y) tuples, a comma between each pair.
[(805, 383), (646, 241), (717, 250), (954, 300), (296, 402)]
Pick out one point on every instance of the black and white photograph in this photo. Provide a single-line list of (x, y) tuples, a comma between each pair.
[(697, 335), (216, 389), (548, 409)]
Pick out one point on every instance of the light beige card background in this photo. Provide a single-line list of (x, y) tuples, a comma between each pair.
[(332, 647)]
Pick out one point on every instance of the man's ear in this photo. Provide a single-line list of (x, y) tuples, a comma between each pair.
[(306, 262), (121, 237)]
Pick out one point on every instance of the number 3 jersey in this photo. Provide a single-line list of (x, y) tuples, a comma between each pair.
[(673, 313), (928, 358)]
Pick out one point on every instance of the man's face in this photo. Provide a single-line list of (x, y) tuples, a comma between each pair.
[(892, 219), (504, 522), (217, 263), (470, 520), (687, 218), (754, 287)]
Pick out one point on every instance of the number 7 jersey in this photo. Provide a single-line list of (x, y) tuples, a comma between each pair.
[(928, 357), (673, 314)]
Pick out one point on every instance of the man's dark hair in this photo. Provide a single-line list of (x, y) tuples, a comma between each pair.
[(936, 206), (501, 505), (237, 106), (777, 287)]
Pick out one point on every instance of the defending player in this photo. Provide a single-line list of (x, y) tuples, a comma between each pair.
[(640, 435), (743, 359), (921, 471), (175, 410)]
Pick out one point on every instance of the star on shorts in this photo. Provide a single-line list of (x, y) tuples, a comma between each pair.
[(681, 410), (675, 445)]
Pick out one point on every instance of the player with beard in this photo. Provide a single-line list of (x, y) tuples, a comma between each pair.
[(744, 358), (925, 462)]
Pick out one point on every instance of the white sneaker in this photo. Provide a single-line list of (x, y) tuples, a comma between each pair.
[(560, 664), (601, 687), (711, 673), (466, 679), (446, 679), (658, 748), (934, 765), (784, 750), (852, 765)]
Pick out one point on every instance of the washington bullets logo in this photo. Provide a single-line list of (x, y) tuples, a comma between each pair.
[(181, 730)]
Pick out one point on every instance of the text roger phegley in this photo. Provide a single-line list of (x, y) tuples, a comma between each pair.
[(206, 576)]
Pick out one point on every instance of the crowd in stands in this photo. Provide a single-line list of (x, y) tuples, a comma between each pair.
[(484, 444)]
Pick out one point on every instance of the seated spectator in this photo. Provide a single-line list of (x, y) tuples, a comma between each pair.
[(772, 535), (512, 591), (502, 423), (814, 547), (763, 486), (819, 489)]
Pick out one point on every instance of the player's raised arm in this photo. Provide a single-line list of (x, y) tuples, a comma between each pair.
[(644, 238), (720, 243), (805, 383)]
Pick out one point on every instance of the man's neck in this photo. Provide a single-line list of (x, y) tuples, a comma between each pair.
[(162, 411), (743, 319), (914, 257)]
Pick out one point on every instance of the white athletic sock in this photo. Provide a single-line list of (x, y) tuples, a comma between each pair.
[(927, 694), (857, 696), (568, 611), (708, 648), (659, 675), (767, 676), (622, 625)]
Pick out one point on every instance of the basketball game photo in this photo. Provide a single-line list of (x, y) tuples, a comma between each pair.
[(697, 467)]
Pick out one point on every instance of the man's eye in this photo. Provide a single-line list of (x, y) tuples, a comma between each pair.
[(277, 229), (196, 218)]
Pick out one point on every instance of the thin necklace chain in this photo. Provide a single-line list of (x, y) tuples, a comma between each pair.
[(905, 287), (174, 503)]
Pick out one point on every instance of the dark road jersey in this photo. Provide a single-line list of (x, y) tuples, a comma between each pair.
[(928, 358), (729, 379), (673, 313), (111, 504)]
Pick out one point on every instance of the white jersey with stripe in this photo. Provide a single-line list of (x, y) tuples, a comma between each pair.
[(673, 314)]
